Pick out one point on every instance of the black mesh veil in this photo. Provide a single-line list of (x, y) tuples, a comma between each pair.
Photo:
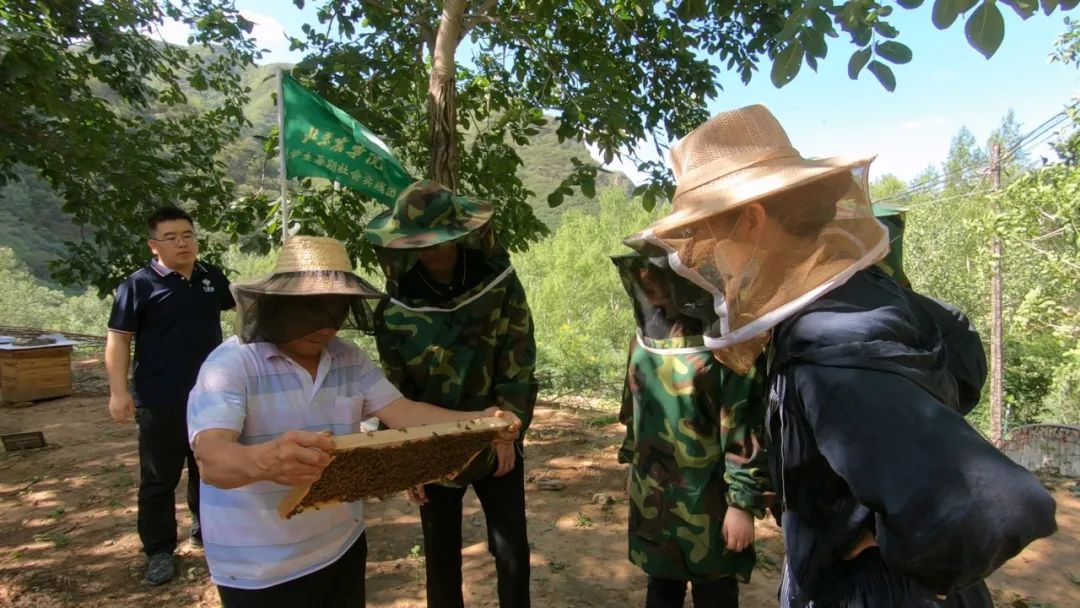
[(666, 305), (287, 306)]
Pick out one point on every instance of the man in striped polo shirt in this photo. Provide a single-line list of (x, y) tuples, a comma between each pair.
[(257, 420)]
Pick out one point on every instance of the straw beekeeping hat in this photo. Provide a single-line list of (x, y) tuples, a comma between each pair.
[(738, 157), (311, 265), (829, 232)]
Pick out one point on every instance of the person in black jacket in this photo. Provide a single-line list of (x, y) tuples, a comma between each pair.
[(888, 497)]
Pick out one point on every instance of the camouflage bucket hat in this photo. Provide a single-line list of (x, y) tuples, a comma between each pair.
[(427, 214)]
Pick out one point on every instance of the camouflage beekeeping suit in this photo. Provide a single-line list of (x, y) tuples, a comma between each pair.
[(893, 262), (472, 351), (692, 437)]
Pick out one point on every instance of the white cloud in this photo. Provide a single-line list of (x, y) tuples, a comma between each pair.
[(269, 34), (645, 150), (172, 32), (944, 74), (923, 123)]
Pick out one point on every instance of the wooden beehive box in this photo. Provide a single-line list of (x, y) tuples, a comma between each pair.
[(381, 463), (30, 374)]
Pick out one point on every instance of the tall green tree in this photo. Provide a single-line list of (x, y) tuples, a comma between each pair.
[(450, 83), (96, 107), (93, 103), (947, 255), (1009, 136), (1040, 226), (887, 185), (966, 165)]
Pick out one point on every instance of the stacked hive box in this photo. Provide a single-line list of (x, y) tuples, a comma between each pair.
[(30, 374)]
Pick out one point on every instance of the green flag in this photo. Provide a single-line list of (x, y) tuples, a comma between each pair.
[(321, 140)]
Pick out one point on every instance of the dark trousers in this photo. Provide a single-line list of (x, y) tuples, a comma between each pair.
[(503, 501), (866, 582), (339, 585), (163, 451), (670, 593)]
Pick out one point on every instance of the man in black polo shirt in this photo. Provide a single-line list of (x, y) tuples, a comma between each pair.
[(172, 309)]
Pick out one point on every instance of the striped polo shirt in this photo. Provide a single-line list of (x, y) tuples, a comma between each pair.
[(259, 392)]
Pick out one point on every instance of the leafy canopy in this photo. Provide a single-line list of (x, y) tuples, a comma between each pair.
[(95, 105)]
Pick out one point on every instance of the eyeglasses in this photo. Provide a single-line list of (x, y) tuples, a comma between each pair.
[(187, 237)]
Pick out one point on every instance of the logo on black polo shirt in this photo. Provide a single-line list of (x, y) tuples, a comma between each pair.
[(206, 286)]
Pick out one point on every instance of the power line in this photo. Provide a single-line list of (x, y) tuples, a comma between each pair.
[(936, 201), (1045, 127), (929, 203), (931, 183), (1044, 130)]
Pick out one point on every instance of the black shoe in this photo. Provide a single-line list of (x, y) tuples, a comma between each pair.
[(160, 569)]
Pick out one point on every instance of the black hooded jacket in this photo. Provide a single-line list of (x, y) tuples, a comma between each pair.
[(868, 387)]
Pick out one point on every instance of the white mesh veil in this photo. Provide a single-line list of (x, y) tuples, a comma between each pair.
[(818, 228)]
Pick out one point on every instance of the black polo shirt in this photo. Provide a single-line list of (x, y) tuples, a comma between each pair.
[(176, 323)]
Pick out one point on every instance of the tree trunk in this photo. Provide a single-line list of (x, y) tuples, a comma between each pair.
[(442, 96)]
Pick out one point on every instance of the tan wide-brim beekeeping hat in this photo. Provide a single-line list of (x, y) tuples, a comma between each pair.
[(738, 157), (311, 265)]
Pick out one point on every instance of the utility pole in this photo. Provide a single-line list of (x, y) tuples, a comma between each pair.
[(997, 369)]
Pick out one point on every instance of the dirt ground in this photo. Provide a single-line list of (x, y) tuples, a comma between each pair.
[(67, 524)]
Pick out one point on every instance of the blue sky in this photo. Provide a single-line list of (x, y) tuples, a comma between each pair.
[(947, 85)]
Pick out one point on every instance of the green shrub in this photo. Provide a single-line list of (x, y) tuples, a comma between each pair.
[(581, 312)]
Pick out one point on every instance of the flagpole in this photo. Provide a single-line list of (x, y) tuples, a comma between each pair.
[(281, 157)]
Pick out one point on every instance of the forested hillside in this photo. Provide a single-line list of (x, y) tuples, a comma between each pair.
[(35, 226)]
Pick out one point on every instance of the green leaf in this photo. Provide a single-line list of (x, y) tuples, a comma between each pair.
[(1048, 6), (986, 29), (885, 30), (814, 42), (884, 75), (648, 200), (858, 62), (1024, 8), (786, 65), (893, 51), (909, 4), (862, 35), (198, 81), (588, 187), (555, 199), (822, 22), (946, 11), (691, 9), (245, 24)]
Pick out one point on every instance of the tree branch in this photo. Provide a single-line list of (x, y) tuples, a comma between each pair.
[(414, 20), (427, 36), (480, 15)]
